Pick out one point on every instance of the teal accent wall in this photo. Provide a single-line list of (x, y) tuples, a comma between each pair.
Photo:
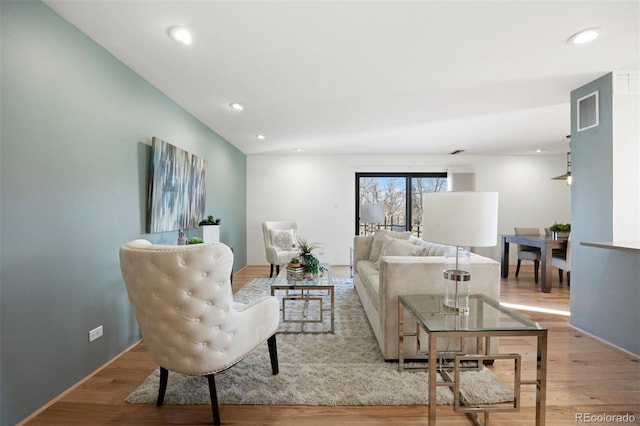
[(76, 127), (604, 283)]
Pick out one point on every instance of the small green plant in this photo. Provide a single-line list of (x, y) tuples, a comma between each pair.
[(295, 261), (309, 261), (195, 240), (305, 247), (209, 221), (560, 227)]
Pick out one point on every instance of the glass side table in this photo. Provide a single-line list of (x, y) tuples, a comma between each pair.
[(486, 319)]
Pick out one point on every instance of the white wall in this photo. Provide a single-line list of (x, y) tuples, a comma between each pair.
[(626, 157), (318, 192)]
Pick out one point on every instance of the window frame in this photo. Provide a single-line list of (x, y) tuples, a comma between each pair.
[(408, 176)]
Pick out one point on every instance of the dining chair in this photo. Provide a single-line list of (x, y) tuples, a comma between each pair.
[(562, 261), (527, 252)]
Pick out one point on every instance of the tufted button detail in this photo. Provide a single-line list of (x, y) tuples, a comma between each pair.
[(217, 328), (197, 319), (204, 274), (220, 284), (189, 293), (209, 303)]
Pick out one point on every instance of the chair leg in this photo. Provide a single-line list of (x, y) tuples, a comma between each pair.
[(213, 395), (164, 376), (518, 268), (277, 269), (568, 278), (560, 275), (536, 267), (271, 271), (273, 354)]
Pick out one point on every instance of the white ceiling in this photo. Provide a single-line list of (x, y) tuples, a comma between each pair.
[(403, 77)]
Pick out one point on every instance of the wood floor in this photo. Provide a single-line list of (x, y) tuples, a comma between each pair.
[(584, 376)]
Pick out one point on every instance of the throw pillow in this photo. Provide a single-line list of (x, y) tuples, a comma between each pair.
[(381, 237), (400, 235), (284, 239), (397, 247)]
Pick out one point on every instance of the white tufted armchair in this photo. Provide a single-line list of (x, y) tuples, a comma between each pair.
[(183, 302), (280, 243)]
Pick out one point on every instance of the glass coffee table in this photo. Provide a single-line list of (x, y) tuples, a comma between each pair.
[(309, 301), (486, 319)]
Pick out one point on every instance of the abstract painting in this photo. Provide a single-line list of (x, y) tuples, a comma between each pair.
[(176, 188)]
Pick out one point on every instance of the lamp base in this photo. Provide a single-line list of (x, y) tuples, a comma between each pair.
[(452, 309), (456, 291)]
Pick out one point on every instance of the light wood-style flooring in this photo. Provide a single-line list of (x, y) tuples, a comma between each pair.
[(584, 376)]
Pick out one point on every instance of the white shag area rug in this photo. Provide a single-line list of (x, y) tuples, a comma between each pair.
[(344, 368)]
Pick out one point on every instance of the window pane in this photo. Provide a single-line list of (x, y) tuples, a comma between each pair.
[(391, 192), (420, 185)]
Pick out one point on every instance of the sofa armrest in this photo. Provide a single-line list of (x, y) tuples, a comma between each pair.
[(361, 249), (402, 275)]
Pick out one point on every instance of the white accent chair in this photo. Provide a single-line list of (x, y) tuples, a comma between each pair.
[(183, 302), (561, 259), (527, 252), (280, 243)]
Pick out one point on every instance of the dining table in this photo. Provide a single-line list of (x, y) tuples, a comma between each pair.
[(546, 246)]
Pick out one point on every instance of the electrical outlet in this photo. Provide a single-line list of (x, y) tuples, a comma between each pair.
[(95, 333)]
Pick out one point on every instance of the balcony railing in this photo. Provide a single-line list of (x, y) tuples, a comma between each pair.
[(366, 229)]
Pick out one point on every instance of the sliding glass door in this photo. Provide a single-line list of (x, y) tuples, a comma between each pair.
[(393, 201)]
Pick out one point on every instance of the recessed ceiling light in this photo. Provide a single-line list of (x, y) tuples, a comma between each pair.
[(538, 150), (236, 106), (296, 149), (181, 34), (261, 137), (585, 36)]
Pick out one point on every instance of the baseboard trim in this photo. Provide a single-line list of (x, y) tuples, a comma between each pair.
[(63, 394), (601, 340)]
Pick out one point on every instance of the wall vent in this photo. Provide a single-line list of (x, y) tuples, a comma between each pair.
[(588, 111)]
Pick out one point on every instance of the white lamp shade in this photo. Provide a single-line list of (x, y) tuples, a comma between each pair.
[(371, 213), (467, 219)]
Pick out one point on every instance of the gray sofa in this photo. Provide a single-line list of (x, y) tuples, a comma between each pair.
[(390, 264)]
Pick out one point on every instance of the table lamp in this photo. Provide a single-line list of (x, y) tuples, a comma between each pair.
[(371, 213), (460, 220)]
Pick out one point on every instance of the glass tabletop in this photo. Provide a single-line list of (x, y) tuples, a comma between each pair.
[(323, 278), (485, 314)]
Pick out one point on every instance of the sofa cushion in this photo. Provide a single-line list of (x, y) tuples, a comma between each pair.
[(430, 249), (382, 236), (370, 277)]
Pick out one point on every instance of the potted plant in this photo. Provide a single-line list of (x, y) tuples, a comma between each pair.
[(195, 240), (309, 261), (209, 229), (294, 263), (560, 230)]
